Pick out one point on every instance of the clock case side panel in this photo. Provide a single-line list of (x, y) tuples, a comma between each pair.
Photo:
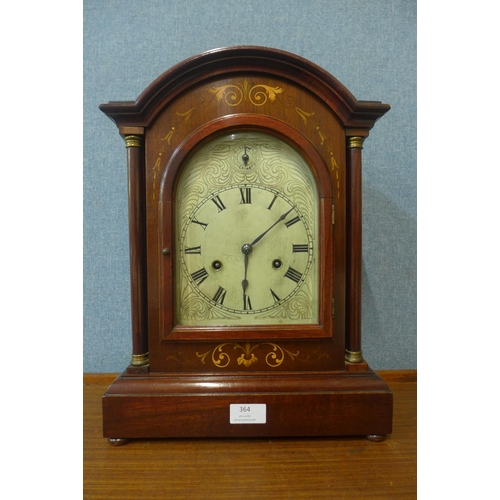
[(170, 332)]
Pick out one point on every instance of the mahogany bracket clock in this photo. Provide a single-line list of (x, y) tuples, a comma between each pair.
[(244, 175)]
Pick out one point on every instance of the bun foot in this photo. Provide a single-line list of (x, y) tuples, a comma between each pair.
[(118, 441), (376, 438)]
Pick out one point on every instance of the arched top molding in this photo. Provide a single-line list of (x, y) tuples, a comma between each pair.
[(229, 61)]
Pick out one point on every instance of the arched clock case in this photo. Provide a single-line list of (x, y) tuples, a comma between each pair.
[(244, 174)]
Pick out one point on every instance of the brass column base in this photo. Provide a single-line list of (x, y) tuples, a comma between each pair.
[(140, 359), (354, 356)]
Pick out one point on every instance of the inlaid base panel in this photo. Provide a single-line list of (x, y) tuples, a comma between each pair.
[(163, 406)]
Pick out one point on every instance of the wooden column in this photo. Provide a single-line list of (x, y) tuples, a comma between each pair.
[(137, 233), (354, 229)]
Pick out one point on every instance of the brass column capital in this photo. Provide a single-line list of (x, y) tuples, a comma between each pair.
[(134, 141), (355, 142)]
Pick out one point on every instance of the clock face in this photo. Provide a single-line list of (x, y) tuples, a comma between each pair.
[(247, 234)]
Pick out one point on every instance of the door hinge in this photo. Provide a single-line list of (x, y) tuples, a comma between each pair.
[(333, 307), (333, 214)]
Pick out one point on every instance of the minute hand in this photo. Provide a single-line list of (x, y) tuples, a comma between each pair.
[(283, 217)]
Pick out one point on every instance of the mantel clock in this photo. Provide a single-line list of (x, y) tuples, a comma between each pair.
[(244, 172)]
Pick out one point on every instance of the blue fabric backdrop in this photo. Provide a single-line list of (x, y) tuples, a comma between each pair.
[(370, 46)]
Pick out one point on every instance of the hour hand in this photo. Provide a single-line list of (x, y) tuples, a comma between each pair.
[(246, 249), (244, 283)]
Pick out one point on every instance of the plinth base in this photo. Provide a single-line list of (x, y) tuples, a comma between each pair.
[(320, 404)]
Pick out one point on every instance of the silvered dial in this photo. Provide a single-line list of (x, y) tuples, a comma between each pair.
[(247, 243)]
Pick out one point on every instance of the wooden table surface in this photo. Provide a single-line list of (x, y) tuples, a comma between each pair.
[(250, 469)]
